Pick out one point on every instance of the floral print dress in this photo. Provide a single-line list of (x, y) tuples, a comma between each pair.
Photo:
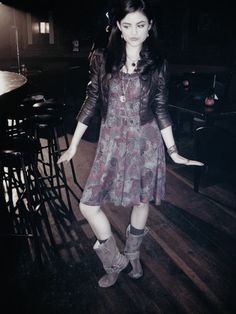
[(129, 165)]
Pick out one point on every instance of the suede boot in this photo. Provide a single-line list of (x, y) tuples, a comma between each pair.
[(113, 261), (132, 251)]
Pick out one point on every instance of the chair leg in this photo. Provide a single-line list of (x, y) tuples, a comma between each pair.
[(42, 207), (54, 172), (71, 162), (6, 223), (36, 239), (197, 178), (60, 168)]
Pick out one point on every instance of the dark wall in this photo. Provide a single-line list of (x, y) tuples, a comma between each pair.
[(199, 32)]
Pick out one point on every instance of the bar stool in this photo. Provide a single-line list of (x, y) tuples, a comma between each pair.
[(20, 182), (20, 110), (46, 120), (15, 122), (29, 100), (28, 108), (59, 109)]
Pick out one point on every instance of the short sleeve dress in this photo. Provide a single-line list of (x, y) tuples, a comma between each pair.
[(129, 165)]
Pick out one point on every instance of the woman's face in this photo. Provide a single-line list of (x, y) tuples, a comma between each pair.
[(134, 28)]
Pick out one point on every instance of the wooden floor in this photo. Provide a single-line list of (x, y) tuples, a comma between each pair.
[(188, 255)]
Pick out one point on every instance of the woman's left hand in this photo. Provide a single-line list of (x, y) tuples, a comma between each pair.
[(184, 161)]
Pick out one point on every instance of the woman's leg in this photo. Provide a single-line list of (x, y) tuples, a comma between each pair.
[(134, 237), (139, 216), (97, 220), (105, 248)]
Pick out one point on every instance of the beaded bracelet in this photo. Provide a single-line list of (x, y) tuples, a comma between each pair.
[(172, 149)]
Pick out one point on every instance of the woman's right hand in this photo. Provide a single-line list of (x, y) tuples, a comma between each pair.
[(67, 155)]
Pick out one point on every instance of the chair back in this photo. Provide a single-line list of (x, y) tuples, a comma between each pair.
[(215, 147)]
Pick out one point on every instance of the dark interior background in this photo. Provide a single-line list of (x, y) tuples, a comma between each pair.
[(200, 32)]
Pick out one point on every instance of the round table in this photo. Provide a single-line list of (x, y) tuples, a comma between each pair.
[(10, 81), (11, 92), (11, 84)]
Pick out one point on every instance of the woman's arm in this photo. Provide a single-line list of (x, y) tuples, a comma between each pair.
[(164, 120), (160, 110), (169, 141), (88, 108), (71, 151)]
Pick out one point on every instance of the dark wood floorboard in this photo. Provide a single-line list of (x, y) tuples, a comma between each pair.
[(188, 255)]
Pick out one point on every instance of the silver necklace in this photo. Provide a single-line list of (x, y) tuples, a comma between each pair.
[(124, 88), (133, 62)]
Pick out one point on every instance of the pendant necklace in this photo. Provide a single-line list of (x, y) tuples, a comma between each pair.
[(133, 62), (124, 88)]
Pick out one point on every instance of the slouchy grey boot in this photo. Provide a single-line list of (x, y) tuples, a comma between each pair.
[(132, 251), (113, 261)]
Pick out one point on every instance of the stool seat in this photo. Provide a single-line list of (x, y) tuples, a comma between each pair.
[(13, 149), (18, 146), (30, 100), (50, 104), (46, 120), (38, 110), (18, 113)]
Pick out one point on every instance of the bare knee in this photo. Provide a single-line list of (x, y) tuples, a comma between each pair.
[(141, 207), (89, 211)]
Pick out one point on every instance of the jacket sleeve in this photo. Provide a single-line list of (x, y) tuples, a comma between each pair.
[(91, 103), (161, 97)]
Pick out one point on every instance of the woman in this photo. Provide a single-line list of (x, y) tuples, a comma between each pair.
[(129, 85)]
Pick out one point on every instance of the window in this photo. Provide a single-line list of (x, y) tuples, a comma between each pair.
[(44, 27), (40, 29)]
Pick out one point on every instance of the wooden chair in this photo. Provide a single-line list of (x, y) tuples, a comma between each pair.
[(215, 147)]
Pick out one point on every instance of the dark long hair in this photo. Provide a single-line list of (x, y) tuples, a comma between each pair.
[(116, 52)]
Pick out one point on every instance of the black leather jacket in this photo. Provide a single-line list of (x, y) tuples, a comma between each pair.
[(153, 96)]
